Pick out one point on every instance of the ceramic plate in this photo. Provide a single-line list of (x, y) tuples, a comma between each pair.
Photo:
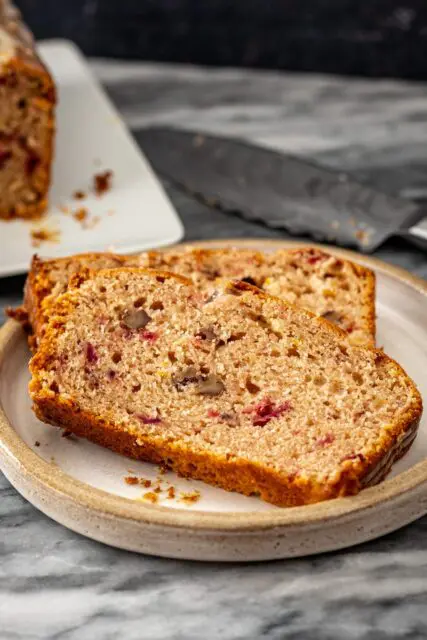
[(134, 214), (83, 486)]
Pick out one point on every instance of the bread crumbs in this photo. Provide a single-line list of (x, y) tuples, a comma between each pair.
[(38, 236), (151, 497), (102, 182), (37, 443), (79, 195), (81, 214), (135, 480), (189, 497), (159, 490)]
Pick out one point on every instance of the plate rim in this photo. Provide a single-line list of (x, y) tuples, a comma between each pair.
[(15, 453)]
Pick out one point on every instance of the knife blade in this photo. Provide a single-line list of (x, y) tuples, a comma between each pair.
[(281, 190)]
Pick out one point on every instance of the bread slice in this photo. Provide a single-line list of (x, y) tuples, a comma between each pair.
[(337, 289), (238, 389)]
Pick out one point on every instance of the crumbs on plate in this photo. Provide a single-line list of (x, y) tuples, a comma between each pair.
[(161, 488), (102, 182), (81, 214), (135, 480), (38, 236), (189, 497), (150, 496)]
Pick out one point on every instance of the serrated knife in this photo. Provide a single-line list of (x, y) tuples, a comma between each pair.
[(280, 190)]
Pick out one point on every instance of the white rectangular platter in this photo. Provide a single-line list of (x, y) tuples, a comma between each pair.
[(133, 215)]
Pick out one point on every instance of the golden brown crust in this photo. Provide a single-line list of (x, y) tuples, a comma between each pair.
[(228, 472), (369, 297), (231, 474), (34, 292)]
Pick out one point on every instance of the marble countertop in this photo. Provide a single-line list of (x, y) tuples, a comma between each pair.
[(58, 585)]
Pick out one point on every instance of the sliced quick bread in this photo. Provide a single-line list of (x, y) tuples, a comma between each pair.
[(238, 389), (337, 289)]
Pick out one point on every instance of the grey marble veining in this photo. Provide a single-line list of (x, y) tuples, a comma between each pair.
[(55, 584)]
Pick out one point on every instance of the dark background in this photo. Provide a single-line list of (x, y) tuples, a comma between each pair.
[(362, 37)]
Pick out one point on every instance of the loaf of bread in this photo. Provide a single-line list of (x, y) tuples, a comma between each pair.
[(236, 387), (337, 289), (27, 102)]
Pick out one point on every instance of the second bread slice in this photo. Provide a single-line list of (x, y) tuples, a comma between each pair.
[(339, 290), (238, 389)]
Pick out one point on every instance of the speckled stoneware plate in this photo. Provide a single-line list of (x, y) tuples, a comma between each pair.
[(83, 486)]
